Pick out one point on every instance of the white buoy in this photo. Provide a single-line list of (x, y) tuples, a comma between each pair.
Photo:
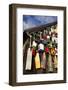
[(29, 57), (41, 46)]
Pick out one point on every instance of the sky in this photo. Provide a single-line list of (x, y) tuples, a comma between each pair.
[(30, 21)]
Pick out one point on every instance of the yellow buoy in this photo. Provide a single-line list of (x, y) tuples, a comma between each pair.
[(37, 61)]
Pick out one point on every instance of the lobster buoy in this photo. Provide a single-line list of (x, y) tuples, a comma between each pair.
[(33, 52), (46, 49), (37, 61), (50, 64), (29, 59), (40, 47), (43, 61), (52, 51), (55, 62)]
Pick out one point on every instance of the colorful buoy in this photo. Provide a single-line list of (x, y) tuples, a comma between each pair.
[(37, 61), (55, 62), (52, 51), (50, 64), (41, 47), (43, 61), (46, 49), (33, 52)]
